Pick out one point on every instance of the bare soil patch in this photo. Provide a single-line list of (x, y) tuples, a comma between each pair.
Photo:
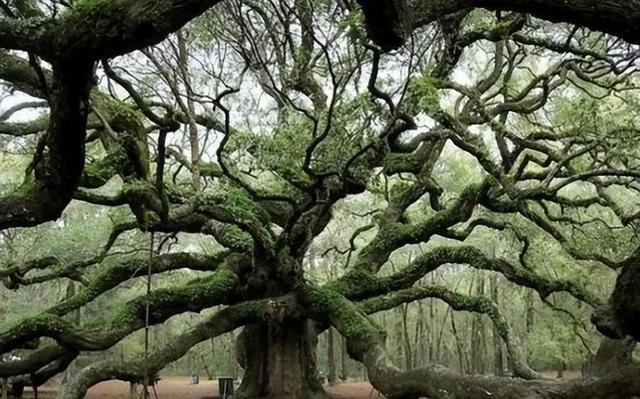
[(181, 388)]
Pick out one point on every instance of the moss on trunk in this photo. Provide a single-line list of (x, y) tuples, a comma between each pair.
[(279, 361)]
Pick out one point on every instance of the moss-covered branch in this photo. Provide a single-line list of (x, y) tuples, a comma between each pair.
[(477, 304), (363, 285), (56, 175), (223, 321), (198, 294), (392, 24), (394, 234), (16, 275), (366, 344)]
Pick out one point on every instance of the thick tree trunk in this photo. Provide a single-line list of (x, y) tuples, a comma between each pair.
[(612, 354), (279, 362)]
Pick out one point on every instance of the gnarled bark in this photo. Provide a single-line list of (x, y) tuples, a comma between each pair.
[(624, 303), (57, 171), (390, 22), (613, 354), (279, 361)]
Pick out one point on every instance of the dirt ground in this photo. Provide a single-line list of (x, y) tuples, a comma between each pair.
[(180, 388)]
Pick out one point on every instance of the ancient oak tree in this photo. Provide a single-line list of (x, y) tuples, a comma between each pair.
[(499, 136)]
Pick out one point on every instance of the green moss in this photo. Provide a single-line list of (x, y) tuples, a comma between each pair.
[(233, 237), (286, 262), (136, 187), (192, 296), (422, 94), (99, 172), (351, 321), (356, 280), (292, 172), (398, 190), (84, 7), (210, 169), (27, 188), (32, 328), (122, 115), (236, 201)]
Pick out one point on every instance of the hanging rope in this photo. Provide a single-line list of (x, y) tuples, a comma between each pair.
[(146, 320)]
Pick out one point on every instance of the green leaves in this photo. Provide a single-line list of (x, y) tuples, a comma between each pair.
[(422, 94), (353, 23)]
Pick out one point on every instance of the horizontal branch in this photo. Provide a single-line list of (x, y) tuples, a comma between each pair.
[(223, 321), (363, 285), (32, 362), (394, 235), (391, 23), (198, 294)]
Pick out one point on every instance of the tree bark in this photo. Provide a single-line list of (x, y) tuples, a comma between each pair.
[(624, 304), (612, 355), (279, 361), (389, 23), (56, 174)]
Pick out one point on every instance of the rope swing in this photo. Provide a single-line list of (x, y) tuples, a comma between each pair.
[(145, 388)]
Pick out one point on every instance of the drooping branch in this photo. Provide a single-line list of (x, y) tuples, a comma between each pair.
[(223, 321), (366, 344), (15, 276), (33, 362), (477, 304), (363, 285)]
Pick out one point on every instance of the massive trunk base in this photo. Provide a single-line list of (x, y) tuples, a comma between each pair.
[(279, 362)]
